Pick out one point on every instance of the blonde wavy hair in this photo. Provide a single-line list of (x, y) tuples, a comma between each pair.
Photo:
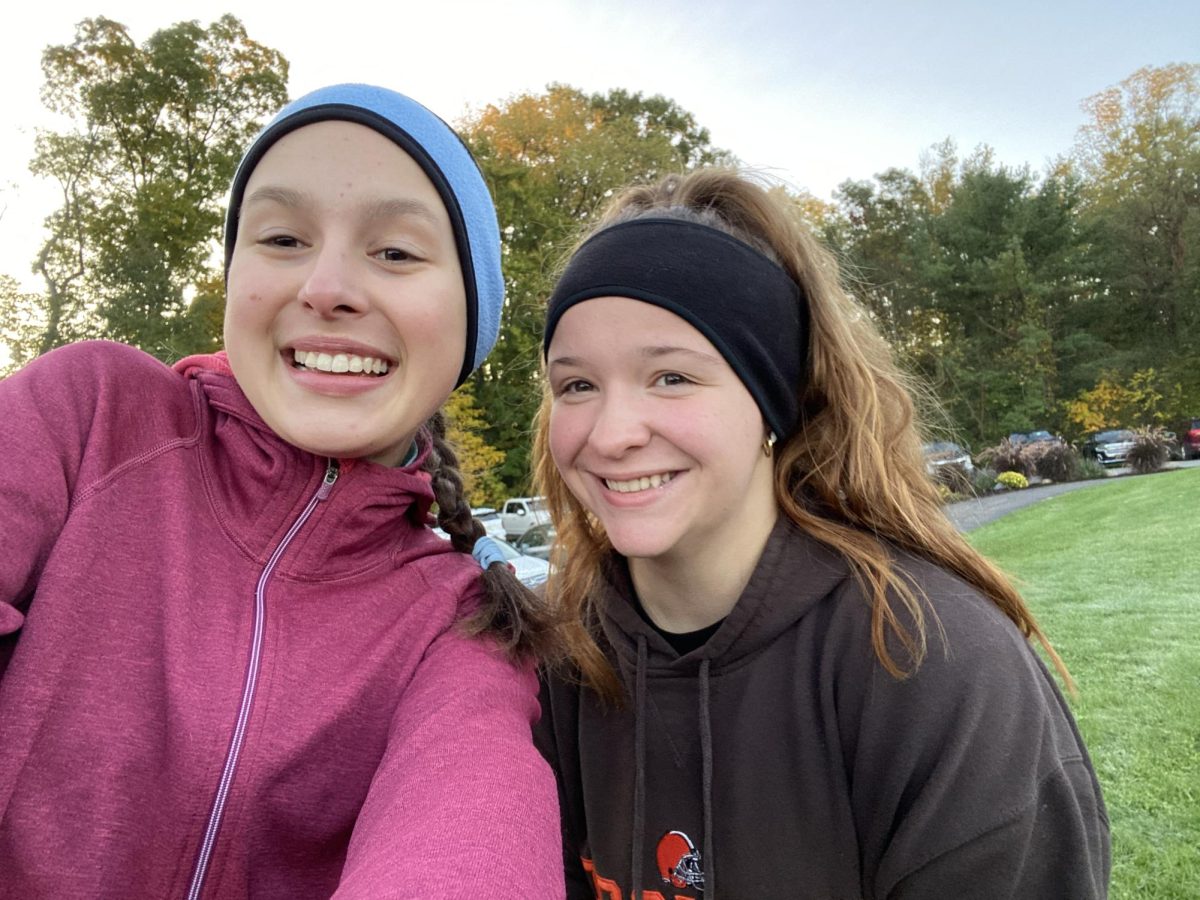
[(852, 476)]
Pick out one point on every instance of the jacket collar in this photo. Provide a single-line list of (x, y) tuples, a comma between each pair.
[(260, 486)]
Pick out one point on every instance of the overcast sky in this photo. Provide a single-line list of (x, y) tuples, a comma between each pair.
[(814, 92)]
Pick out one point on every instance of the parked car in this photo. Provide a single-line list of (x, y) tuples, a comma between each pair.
[(519, 514), (490, 519), (946, 453), (1189, 442), (1109, 448), (537, 541), (530, 570)]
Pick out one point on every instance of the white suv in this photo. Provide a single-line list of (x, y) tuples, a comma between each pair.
[(519, 514)]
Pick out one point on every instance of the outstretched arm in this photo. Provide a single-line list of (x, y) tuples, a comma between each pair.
[(462, 804), (42, 437), (67, 420)]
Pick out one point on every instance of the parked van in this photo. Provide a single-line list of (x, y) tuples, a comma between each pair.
[(519, 514)]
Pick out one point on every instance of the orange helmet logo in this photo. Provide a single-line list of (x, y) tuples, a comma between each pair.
[(679, 861)]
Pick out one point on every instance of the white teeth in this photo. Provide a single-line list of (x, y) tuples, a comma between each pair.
[(339, 363), (638, 484)]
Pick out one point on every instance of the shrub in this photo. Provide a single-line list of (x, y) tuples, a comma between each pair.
[(1008, 457), (1089, 468), (1014, 481), (954, 478), (1055, 461), (1149, 450)]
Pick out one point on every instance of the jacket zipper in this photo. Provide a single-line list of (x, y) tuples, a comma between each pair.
[(251, 683)]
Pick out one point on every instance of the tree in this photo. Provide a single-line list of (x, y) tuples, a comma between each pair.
[(157, 131), (969, 270), (879, 231), (552, 160), (1002, 274), (21, 325), (1140, 159), (477, 460), (1113, 404)]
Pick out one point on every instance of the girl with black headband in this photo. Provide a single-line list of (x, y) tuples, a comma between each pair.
[(790, 676), (235, 660)]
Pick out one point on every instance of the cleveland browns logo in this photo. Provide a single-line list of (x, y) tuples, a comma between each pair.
[(679, 861)]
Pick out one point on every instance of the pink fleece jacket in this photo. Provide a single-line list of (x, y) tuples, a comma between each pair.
[(229, 670)]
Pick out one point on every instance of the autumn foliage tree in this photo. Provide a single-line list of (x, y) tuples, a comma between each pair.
[(478, 461), (552, 159)]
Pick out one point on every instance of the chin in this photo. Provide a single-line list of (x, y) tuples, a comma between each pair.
[(639, 547)]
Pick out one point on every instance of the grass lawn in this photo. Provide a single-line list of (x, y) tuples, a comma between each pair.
[(1113, 575)]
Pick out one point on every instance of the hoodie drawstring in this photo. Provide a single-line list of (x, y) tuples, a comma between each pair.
[(639, 762), (639, 776), (706, 756)]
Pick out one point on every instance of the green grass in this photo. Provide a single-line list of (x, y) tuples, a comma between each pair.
[(1113, 575)]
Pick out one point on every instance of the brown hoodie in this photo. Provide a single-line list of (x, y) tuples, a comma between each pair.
[(781, 760)]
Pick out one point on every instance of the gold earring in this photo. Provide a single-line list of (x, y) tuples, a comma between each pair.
[(768, 444)]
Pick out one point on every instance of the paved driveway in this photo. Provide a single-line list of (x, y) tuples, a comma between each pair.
[(970, 514)]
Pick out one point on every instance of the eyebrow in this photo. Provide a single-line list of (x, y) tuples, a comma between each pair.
[(653, 352), (385, 208), (281, 195), (666, 350), (402, 208)]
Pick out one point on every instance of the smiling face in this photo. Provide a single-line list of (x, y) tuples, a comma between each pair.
[(654, 433), (345, 318)]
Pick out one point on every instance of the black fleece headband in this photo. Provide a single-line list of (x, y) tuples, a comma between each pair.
[(746, 305)]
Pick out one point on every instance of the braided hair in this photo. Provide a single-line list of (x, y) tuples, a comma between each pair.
[(519, 619)]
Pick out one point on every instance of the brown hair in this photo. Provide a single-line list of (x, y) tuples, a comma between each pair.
[(852, 476), (519, 620)]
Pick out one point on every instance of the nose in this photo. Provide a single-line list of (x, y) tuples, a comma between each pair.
[(331, 287), (622, 424)]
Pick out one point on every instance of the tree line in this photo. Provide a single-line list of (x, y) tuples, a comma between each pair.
[(1067, 299)]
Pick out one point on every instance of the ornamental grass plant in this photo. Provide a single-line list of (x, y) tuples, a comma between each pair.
[(1055, 461), (1149, 451), (1008, 456)]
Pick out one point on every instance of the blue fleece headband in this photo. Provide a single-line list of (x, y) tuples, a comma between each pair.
[(443, 157)]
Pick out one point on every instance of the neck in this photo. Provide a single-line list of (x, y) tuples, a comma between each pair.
[(684, 592)]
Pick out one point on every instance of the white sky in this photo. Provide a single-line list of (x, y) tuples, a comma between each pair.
[(815, 92)]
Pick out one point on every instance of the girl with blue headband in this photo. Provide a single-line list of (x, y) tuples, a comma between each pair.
[(790, 676), (235, 660)]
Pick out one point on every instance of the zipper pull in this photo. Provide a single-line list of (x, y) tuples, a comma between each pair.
[(331, 475)]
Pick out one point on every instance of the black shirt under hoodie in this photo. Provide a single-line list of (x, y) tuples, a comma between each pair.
[(780, 760)]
